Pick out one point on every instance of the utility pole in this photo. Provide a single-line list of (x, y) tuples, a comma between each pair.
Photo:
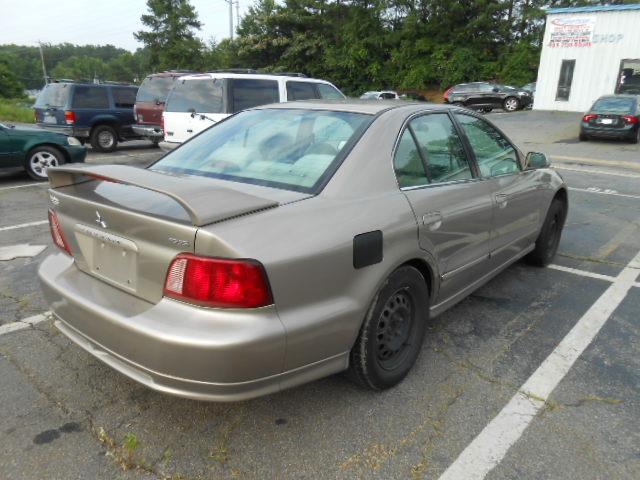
[(230, 2), (237, 12), (44, 68)]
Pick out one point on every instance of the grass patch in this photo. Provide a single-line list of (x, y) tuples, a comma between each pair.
[(16, 110)]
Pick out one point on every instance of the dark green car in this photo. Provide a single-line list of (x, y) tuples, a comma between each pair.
[(35, 150)]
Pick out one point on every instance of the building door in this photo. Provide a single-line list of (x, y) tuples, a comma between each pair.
[(629, 77), (565, 80)]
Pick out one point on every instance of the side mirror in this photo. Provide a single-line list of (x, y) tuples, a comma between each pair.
[(496, 89), (536, 160)]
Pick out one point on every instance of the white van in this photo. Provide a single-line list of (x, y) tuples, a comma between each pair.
[(200, 100)]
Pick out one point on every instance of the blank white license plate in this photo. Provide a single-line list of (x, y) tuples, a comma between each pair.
[(50, 119), (109, 256), (607, 121)]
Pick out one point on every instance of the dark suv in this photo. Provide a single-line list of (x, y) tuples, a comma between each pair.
[(101, 113), (485, 96), (150, 102)]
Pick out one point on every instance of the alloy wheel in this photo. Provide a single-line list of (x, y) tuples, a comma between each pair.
[(105, 139), (40, 161)]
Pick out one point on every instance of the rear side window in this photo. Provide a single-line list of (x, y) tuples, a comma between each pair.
[(201, 95), (300, 91), (53, 95), (494, 154), (90, 97), (329, 92), (253, 93), (407, 163), (124, 97)]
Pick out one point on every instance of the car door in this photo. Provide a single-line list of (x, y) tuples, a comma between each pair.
[(452, 207), (8, 154), (516, 214)]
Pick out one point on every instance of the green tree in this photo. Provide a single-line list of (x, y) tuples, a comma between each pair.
[(81, 68), (10, 86), (171, 41)]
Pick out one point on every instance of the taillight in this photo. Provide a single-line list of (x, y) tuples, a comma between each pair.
[(446, 94), (589, 116), (135, 111), (216, 282), (69, 117), (162, 122), (630, 119), (56, 232)]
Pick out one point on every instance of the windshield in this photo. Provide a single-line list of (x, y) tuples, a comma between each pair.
[(613, 105), (53, 95), (369, 95), (154, 89), (202, 96), (291, 149)]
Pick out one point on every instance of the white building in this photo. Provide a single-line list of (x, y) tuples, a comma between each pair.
[(588, 52)]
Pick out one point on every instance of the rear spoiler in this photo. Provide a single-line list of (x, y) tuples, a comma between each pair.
[(204, 203)]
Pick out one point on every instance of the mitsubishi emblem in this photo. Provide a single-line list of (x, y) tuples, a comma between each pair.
[(99, 220)]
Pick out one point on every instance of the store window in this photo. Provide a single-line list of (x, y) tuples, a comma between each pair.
[(565, 80), (629, 77)]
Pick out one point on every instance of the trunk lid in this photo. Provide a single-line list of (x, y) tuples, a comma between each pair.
[(149, 113), (125, 225)]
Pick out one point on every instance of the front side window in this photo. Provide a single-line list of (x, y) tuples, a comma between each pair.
[(329, 92), (494, 154), (300, 91), (124, 97), (90, 97), (290, 149), (253, 93), (565, 80), (202, 96)]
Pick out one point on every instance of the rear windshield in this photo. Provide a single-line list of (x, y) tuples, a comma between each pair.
[(613, 105), (202, 96), (154, 89), (290, 149), (53, 95)]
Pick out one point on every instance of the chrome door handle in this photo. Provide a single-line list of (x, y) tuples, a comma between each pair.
[(502, 200), (432, 220)]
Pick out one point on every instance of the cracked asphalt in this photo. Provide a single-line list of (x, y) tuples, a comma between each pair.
[(65, 415)]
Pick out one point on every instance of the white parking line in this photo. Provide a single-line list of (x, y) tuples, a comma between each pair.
[(24, 225), (583, 273), (26, 185), (22, 324), (596, 172), (599, 191), (488, 449)]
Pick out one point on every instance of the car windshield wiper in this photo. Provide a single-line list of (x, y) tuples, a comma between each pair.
[(202, 116)]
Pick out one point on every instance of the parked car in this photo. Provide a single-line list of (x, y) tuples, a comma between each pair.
[(150, 102), (380, 95), (485, 96), (35, 150), (613, 116), (278, 247), (531, 88), (101, 113), (198, 101)]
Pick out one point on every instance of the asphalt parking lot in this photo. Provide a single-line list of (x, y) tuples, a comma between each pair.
[(534, 376)]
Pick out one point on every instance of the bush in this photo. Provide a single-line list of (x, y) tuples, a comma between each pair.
[(16, 110)]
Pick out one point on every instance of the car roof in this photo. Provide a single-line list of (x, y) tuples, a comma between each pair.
[(252, 76), (355, 105), (620, 95)]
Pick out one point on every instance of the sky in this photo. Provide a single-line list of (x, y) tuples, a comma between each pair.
[(97, 22)]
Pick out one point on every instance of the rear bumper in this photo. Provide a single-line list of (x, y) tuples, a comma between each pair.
[(175, 348), (627, 131), (70, 130), (153, 132)]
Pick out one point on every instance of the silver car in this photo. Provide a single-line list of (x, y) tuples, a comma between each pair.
[(291, 242)]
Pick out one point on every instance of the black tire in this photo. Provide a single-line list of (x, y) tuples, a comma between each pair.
[(636, 137), (511, 104), (391, 335), (104, 138), (549, 237), (486, 110), (155, 143), (39, 159), (583, 137)]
